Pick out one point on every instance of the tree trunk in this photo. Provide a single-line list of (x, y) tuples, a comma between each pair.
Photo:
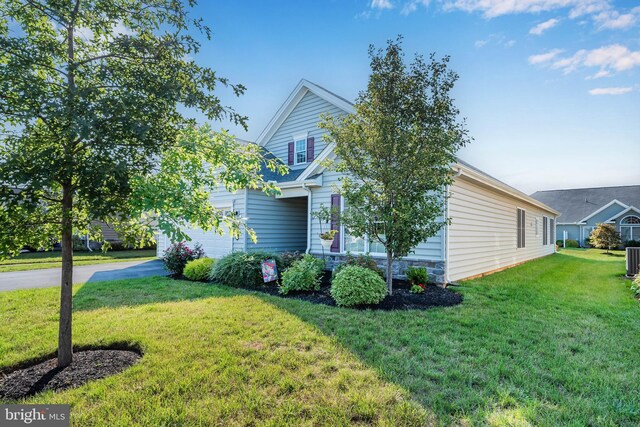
[(390, 273), (65, 346)]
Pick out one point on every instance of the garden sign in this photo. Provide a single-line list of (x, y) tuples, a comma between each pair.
[(269, 270)]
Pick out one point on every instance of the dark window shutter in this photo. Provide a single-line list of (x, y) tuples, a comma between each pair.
[(335, 205), (310, 147), (552, 230), (290, 162), (522, 222), (517, 228)]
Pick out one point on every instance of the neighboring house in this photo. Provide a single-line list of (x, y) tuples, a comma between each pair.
[(581, 209), (493, 226)]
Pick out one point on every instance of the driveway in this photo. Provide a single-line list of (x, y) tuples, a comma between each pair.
[(83, 273)]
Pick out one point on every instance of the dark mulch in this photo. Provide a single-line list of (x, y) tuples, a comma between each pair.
[(402, 299), (86, 366)]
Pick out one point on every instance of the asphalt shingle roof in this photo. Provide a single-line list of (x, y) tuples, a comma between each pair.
[(578, 203)]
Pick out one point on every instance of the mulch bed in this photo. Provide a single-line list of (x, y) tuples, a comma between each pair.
[(402, 299), (87, 365)]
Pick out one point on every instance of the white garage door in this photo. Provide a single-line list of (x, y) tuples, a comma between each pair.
[(213, 244)]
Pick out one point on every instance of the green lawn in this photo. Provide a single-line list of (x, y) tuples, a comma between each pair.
[(551, 342), (40, 260)]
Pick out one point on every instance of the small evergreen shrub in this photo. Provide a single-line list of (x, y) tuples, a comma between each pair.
[(632, 244), (354, 285), (242, 269), (559, 243), (364, 261), (417, 275), (303, 275), (417, 289), (571, 243), (199, 269), (288, 258), (177, 256)]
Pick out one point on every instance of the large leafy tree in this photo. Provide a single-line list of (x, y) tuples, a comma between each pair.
[(93, 102), (397, 150)]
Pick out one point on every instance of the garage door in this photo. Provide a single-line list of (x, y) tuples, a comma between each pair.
[(213, 244)]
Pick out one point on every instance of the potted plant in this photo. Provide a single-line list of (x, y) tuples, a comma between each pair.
[(326, 238)]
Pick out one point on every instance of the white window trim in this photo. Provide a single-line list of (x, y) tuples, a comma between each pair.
[(296, 138)]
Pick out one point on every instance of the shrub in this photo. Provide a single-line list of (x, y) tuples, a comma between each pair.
[(417, 289), (635, 286), (364, 261), (199, 269), (288, 258), (177, 256), (571, 243), (242, 269), (354, 285), (605, 236), (632, 244), (303, 275), (417, 275), (559, 243)]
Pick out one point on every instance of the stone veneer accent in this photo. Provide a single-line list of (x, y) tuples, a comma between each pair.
[(399, 268)]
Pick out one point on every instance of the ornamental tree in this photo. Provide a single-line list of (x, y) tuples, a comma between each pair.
[(93, 96), (396, 150), (605, 236)]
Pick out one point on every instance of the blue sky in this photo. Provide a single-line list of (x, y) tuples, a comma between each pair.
[(550, 88)]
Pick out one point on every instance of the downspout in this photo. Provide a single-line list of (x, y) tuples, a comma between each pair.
[(89, 244), (447, 279), (309, 195)]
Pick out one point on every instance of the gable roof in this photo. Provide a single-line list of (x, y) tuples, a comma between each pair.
[(294, 98), (579, 204), (631, 210)]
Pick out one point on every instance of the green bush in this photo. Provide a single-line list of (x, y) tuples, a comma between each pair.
[(632, 244), (559, 243), (635, 286), (199, 269), (364, 261), (288, 258), (417, 275), (242, 269), (416, 289), (176, 256), (303, 275), (571, 243), (354, 285)]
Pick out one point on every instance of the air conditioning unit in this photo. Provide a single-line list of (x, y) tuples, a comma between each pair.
[(633, 261)]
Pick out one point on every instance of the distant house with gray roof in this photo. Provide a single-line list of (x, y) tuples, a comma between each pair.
[(581, 209)]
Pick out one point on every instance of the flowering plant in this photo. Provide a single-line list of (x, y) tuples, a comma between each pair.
[(417, 289), (177, 256)]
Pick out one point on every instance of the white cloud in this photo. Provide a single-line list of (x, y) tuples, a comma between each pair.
[(544, 57), (494, 8), (609, 59), (412, 6), (610, 91), (544, 26), (480, 43), (381, 4), (613, 20)]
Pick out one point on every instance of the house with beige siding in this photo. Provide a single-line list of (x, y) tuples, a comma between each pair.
[(492, 226)]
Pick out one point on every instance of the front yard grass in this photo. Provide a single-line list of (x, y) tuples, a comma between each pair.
[(551, 342), (41, 260)]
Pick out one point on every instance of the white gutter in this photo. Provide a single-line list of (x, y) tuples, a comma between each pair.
[(309, 205)]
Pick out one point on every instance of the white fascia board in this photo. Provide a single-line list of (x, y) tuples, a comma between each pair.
[(611, 203), (626, 211)]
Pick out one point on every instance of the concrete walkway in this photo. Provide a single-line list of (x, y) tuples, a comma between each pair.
[(81, 274)]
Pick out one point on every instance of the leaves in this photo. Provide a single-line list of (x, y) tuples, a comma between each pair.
[(397, 150)]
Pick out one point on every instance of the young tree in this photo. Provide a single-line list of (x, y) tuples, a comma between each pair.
[(92, 102), (397, 150), (605, 236)]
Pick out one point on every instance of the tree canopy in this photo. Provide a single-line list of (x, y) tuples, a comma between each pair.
[(95, 104), (397, 150)]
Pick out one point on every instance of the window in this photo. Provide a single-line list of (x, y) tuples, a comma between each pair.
[(552, 231), (520, 227), (363, 245), (301, 151), (630, 228)]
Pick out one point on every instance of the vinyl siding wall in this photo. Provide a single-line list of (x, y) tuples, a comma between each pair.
[(304, 118), (280, 224), (483, 230), (431, 250)]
